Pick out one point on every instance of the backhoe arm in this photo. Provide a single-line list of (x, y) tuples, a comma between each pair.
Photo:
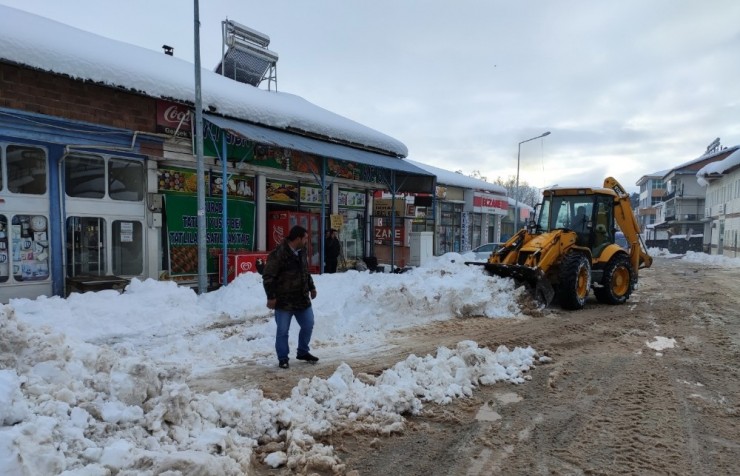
[(627, 222)]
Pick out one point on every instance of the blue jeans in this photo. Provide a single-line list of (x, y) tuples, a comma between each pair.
[(304, 318)]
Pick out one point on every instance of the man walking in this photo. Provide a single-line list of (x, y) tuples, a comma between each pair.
[(332, 250), (288, 285)]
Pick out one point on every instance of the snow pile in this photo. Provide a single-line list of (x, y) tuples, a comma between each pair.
[(98, 383), (714, 260), (69, 406)]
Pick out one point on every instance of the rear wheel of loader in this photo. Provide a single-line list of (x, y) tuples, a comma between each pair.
[(618, 280), (574, 281)]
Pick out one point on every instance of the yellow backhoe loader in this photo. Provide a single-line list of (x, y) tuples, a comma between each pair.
[(570, 247)]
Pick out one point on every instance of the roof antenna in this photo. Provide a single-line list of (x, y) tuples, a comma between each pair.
[(168, 50)]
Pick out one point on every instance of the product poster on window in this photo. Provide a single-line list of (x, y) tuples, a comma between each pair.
[(182, 231)]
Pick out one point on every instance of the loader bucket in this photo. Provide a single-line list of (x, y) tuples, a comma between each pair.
[(533, 279)]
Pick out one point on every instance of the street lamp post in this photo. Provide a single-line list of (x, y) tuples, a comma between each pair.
[(516, 197)]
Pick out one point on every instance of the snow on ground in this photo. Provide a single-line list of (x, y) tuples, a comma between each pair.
[(96, 383), (714, 260)]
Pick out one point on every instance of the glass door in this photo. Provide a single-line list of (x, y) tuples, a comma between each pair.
[(86, 246)]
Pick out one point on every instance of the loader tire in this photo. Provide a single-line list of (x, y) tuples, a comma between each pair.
[(618, 281), (574, 281)]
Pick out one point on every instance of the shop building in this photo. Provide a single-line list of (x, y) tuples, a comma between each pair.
[(99, 176), (467, 212)]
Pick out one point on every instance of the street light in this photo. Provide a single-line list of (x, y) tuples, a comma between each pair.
[(516, 197)]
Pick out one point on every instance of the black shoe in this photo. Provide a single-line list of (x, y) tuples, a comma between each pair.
[(283, 364), (307, 357)]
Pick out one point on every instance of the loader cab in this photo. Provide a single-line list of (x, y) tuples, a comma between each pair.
[(591, 216)]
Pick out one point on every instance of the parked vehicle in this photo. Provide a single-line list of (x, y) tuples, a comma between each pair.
[(484, 251)]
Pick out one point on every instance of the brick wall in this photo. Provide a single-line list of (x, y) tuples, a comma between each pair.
[(45, 93)]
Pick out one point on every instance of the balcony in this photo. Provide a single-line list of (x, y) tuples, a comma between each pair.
[(685, 217)]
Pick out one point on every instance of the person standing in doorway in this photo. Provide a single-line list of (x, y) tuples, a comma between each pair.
[(290, 289), (332, 250)]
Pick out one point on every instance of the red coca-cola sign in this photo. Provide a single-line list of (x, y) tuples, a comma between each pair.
[(173, 118)]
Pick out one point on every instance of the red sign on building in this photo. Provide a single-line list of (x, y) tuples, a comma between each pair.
[(173, 119), (383, 235), (485, 203)]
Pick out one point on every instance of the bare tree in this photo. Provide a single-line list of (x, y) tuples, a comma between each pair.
[(527, 194)]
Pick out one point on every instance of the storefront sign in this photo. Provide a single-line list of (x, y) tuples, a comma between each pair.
[(337, 221), (383, 235), (382, 207), (238, 148), (173, 119), (182, 230), (486, 203)]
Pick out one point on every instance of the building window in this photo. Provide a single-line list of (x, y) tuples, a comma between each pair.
[(26, 169), (477, 230), (89, 177), (450, 230), (128, 245), (658, 184), (30, 248), (84, 177), (125, 179)]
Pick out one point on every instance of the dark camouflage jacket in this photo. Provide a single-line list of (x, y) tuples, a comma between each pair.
[(287, 279)]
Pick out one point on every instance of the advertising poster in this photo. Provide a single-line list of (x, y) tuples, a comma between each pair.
[(312, 195), (237, 186), (185, 181), (351, 199), (282, 192), (182, 231)]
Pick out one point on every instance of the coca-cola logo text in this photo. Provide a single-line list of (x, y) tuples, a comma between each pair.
[(278, 233), (174, 115)]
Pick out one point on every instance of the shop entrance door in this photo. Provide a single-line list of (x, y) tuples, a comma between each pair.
[(105, 213)]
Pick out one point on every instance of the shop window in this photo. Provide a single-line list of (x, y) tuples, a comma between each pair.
[(350, 234), (477, 230), (125, 180), (128, 245), (26, 169), (86, 246), (84, 177), (449, 232), (30, 247)]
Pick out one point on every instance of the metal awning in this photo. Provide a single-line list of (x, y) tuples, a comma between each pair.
[(407, 177)]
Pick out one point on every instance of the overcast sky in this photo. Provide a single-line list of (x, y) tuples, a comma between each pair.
[(626, 88)]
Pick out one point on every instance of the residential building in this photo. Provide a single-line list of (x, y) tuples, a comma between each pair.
[(681, 211), (722, 207), (652, 189)]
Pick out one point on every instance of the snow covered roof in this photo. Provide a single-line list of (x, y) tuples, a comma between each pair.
[(446, 177), (686, 166), (38, 42), (659, 175), (719, 168)]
